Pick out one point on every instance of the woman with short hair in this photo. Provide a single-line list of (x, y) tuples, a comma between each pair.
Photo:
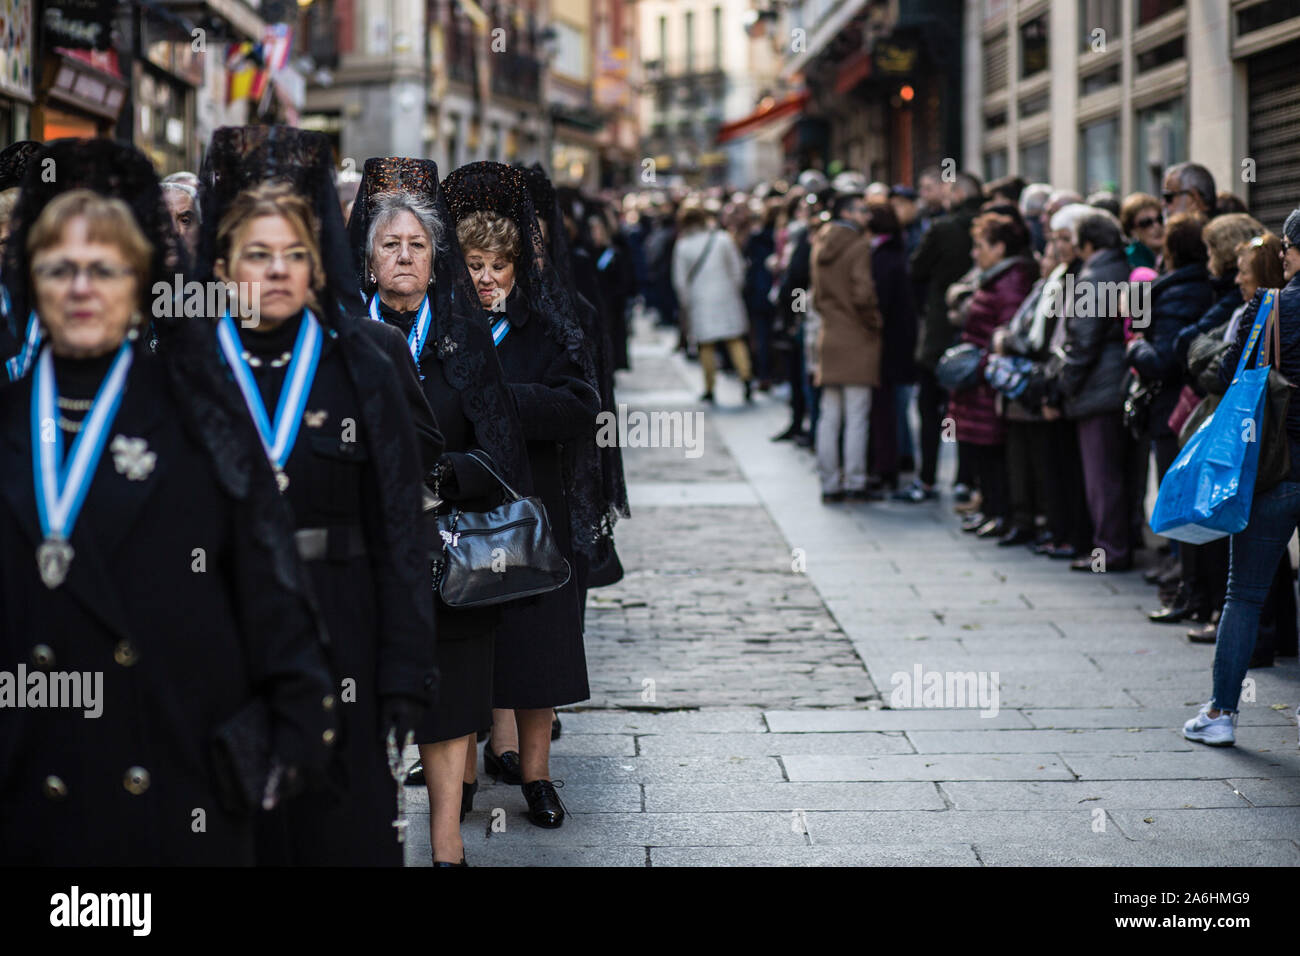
[(141, 540), (540, 662), (1142, 218), (412, 268)]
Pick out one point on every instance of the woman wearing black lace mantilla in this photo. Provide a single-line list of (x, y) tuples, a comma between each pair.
[(411, 267), (540, 662)]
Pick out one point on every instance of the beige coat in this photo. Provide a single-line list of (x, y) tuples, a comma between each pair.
[(849, 342)]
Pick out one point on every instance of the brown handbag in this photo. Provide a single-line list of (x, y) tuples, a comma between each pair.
[(1274, 449)]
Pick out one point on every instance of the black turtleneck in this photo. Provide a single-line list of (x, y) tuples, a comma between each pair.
[(271, 341), (77, 380), (403, 320)]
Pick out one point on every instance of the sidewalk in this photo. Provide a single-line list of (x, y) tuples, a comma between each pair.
[(740, 709)]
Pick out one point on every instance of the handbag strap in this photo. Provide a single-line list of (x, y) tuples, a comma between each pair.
[(488, 466), (695, 269), (1272, 347), (1261, 319)]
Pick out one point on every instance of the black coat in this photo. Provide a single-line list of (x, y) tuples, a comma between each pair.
[(942, 258), (1178, 299), (381, 634), (897, 312), (1091, 380), (540, 661), (1227, 297), (184, 640)]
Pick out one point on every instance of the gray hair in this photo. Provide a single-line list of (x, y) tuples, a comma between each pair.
[(388, 206), (187, 190), (1033, 198), (1097, 228), (1067, 217), (1196, 177)]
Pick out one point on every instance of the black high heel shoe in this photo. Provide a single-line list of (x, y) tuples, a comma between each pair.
[(467, 791), (441, 863), (555, 727), (544, 806), (504, 767), (415, 778)]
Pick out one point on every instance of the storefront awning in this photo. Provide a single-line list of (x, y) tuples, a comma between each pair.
[(770, 113)]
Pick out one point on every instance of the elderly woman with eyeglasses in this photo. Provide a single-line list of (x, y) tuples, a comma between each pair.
[(143, 554)]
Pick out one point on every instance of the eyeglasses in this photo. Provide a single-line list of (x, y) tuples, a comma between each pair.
[(1170, 197), (1146, 222), (65, 272), (1287, 246)]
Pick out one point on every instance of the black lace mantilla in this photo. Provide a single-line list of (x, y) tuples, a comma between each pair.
[(459, 335), (242, 157), (13, 162), (504, 190)]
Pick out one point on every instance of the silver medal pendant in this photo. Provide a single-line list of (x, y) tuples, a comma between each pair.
[(53, 558), (281, 480)]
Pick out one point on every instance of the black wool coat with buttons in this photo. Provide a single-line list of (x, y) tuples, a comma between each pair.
[(381, 634), (176, 603)]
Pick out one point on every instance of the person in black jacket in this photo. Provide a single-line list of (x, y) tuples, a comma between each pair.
[(898, 338), (172, 578), (411, 263), (540, 661), (1258, 549), (1089, 388), (1178, 299), (345, 446)]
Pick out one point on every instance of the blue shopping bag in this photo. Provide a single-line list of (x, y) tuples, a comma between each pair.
[(1208, 490)]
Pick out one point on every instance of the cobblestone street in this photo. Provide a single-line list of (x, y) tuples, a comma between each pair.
[(742, 672)]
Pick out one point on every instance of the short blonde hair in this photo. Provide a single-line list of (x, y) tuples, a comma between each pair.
[(491, 233), (8, 199), (108, 220), (1223, 234), (272, 199)]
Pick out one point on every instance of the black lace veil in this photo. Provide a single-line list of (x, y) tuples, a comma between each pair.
[(504, 190), (460, 325)]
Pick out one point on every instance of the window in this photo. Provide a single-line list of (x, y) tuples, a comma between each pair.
[(717, 38), (1033, 105), (1099, 157), (1159, 141), (1033, 47), (995, 65), (663, 41), (995, 164), (994, 121), (1099, 80), (1148, 10), (1160, 55), (1033, 162), (1265, 15), (1097, 15), (571, 52), (690, 41)]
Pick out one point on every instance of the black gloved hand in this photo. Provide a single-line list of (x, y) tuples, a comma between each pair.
[(400, 714)]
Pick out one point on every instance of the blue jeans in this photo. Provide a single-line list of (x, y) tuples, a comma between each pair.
[(1253, 556)]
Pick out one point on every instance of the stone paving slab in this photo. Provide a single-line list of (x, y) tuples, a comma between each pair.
[(1143, 717), (708, 721), (715, 797), (1044, 766), (1083, 852), (1108, 794), (848, 721), (773, 744), (1267, 793), (587, 798), (1227, 823), (665, 769), (957, 855), (648, 830), (1201, 764), (918, 828), (1046, 741)]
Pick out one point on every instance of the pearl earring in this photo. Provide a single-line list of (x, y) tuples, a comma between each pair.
[(372, 278)]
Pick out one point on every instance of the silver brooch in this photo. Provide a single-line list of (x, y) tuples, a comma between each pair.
[(132, 457), (450, 538), (315, 419)]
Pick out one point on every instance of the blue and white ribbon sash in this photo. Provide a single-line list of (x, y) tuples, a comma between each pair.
[(20, 364), (277, 436), (61, 486), (500, 329), (419, 328)]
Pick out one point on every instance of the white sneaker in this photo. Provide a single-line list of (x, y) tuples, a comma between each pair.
[(1216, 731)]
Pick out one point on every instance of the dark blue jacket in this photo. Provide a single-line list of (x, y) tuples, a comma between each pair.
[(897, 311), (1226, 299), (1178, 299), (1288, 306)]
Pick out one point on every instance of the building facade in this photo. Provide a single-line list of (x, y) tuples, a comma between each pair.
[(1107, 94)]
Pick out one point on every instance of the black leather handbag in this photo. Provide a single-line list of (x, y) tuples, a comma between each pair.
[(491, 557)]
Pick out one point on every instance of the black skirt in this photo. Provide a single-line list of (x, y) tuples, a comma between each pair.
[(464, 689)]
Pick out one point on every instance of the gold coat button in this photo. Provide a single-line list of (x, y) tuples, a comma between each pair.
[(124, 653), (55, 789), (328, 736), (43, 656), (328, 702), (136, 780)]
